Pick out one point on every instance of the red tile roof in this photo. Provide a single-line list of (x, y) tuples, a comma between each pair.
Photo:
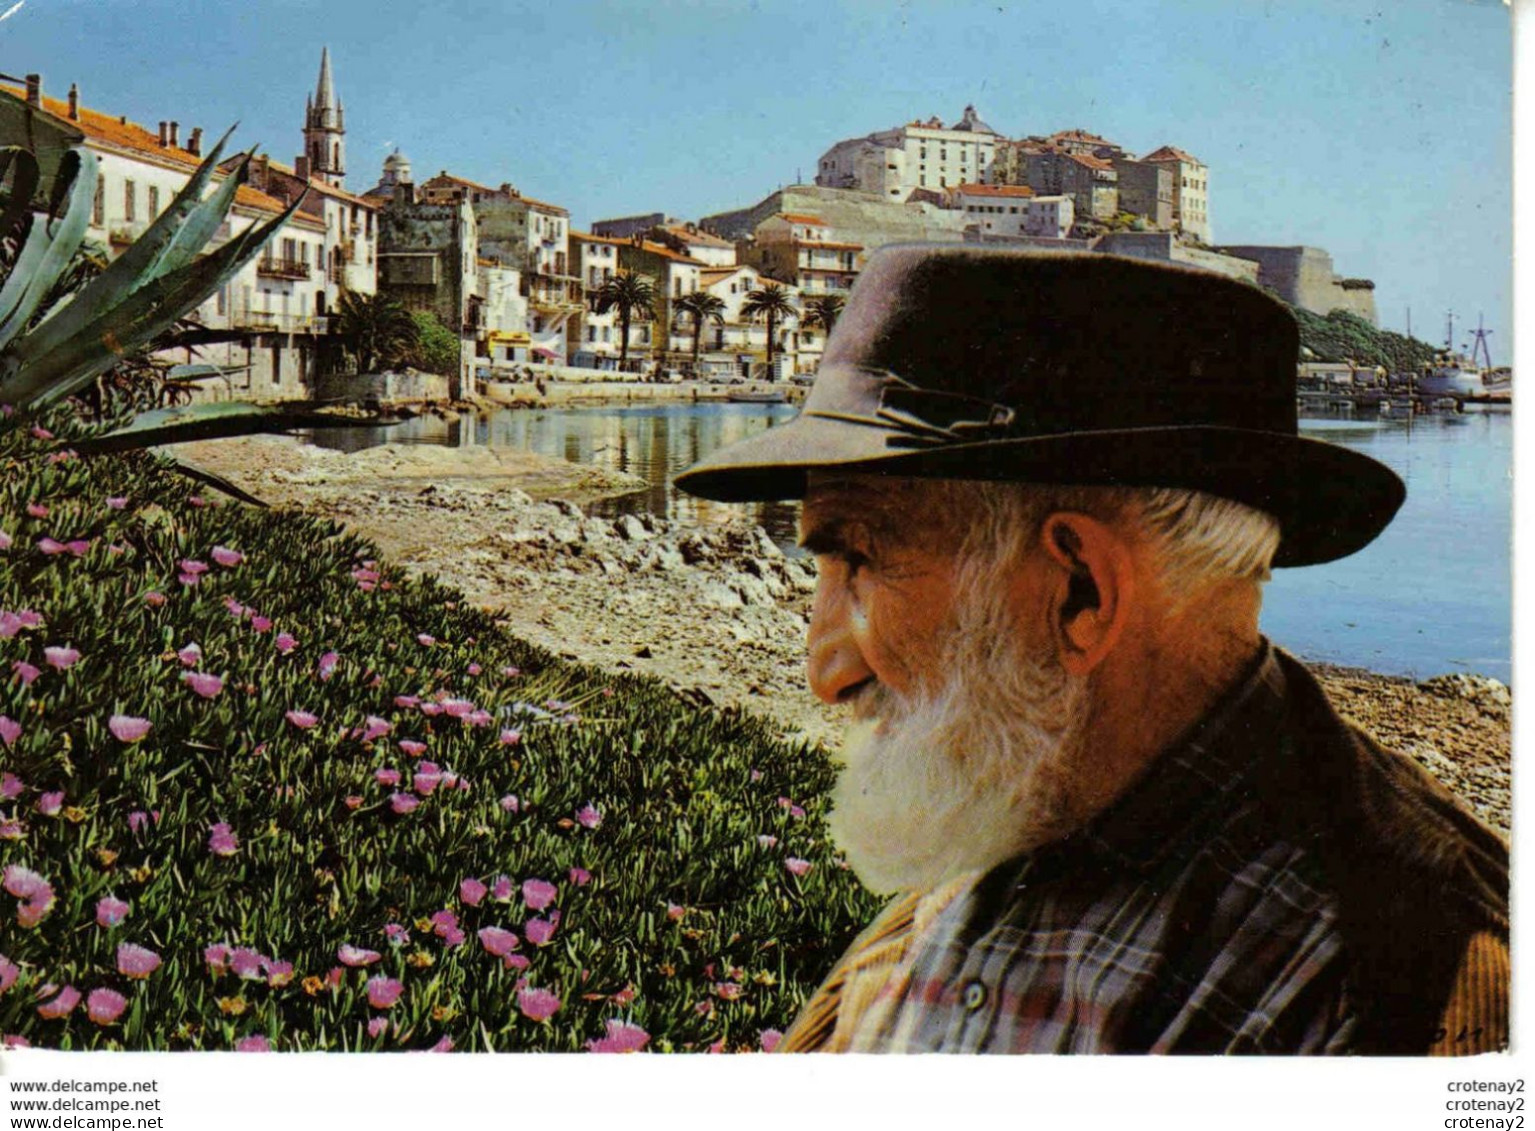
[(1171, 153), (588, 237), (326, 189), (829, 244), (664, 252), (994, 190), (702, 239), (1078, 135), (1090, 162), (802, 218), (120, 133)]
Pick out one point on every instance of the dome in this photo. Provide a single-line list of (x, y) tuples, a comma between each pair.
[(972, 123), (397, 164)]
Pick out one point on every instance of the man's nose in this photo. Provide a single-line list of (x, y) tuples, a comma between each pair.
[(836, 663)]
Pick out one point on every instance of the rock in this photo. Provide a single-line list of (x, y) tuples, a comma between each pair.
[(1487, 693), (765, 547), (643, 652), (662, 558), (566, 508), (753, 591), (630, 527), (718, 596)]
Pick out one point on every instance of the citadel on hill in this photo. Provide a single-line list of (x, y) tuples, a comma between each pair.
[(514, 282)]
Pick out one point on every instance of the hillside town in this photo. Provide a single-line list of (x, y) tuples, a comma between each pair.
[(745, 294)]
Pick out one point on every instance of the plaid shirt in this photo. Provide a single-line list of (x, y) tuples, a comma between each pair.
[(1202, 913)]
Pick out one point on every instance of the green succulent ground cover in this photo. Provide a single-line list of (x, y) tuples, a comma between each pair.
[(675, 858)]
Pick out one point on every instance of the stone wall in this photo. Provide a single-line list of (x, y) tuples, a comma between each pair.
[(1164, 247), (854, 217), (1304, 277), (384, 387)]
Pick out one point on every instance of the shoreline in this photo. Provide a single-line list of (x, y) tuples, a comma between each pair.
[(718, 613)]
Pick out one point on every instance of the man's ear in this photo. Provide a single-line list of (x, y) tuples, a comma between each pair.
[(1093, 588)]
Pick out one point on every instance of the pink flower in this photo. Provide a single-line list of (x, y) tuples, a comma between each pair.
[(424, 640), (285, 642), (37, 510), (538, 894), (511, 737), (402, 802), (755, 776), (621, 1037), (623, 997), (767, 840), (580, 877), (61, 658), (12, 830), (11, 786), (137, 820), (387, 777), (247, 963), (105, 1006), (501, 888), (384, 992), (190, 655), (770, 1039), (136, 961), (49, 804), (301, 719), (5, 540), (14, 1041), (221, 841), (78, 547), (444, 1045), (704, 1008), (427, 778), (154, 598), (796, 812), (537, 1005), (349, 955), (352, 801), (675, 911), (25, 672), (474, 669), (539, 932), (9, 972), (378, 1026), (61, 1006), (407, 701), (727, 991), (588, 817), (471, 891), (396, 933), (443, 921), (227, 557), (457, 708), (516, 962), (511, 673), (510, 803), (260, 624), (10, 730), (110, 911), (50, 547), (498, 941), (203, 684), (23, 883), (431, 710), (412, 747), (479, 717), (117, 502), (193, 566), (254, 1043), (41, 433), (327, 665), (797, 866), (235, 608), (278, 973), (375, 728), (128, 728)]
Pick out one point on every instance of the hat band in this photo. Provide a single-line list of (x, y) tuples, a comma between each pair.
[(928, 418)]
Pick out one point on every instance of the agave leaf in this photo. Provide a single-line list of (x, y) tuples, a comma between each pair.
[(76, 182), (129, 270), (24, 270), (213, 479), (32, 377), (19, 206), (215, 421), (200, 225)]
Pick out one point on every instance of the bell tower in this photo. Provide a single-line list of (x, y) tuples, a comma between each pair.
[(324, 130)]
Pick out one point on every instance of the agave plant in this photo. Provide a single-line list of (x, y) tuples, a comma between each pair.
[(124, 309)]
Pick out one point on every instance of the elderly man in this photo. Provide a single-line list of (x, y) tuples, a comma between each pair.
[(1044, 492)]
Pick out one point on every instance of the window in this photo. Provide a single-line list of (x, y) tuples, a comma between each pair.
[(99, 204), (129, 196), (591, 333), (154, 201)]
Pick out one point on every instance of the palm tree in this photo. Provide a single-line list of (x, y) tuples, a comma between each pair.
[(823, 311), (775, 303), (698, 306), (629, 294), (377, 328)]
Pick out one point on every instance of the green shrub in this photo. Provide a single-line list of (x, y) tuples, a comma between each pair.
[(236, 823), (436, 348)]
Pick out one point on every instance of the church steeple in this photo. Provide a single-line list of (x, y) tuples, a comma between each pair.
[(324, 129)]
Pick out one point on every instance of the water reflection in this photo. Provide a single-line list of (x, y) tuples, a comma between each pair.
[(1432, 594)]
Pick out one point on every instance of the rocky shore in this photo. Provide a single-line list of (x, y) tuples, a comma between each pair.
[(719, 613)]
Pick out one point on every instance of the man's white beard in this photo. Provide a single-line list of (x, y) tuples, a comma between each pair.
[(963, 779)]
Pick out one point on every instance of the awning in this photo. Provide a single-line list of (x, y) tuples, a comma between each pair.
[(542, 351), (509, 337)]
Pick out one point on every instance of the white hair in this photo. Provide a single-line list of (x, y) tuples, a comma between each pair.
[(1198, 539)]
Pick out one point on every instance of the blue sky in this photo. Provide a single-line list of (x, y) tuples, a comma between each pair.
[(1377, 130)]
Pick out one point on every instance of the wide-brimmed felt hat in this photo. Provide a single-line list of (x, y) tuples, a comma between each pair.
[(960, 362)]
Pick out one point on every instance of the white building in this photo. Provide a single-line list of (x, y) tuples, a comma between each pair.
[(891, 163), (1191, 190), (1049, 217), (995, 210)]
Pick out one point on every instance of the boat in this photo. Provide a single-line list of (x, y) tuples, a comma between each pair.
[(1452, 374), (757, 396)]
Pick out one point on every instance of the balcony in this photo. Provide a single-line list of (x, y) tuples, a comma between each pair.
[(271, 267)]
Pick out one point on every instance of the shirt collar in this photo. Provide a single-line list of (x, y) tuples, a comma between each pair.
[(1204, 771)]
